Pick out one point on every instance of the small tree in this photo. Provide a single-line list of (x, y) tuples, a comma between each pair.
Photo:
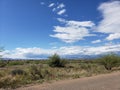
[(55, 61), (109, 61)]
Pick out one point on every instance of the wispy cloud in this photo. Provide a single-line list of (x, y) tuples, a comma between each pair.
[(42, 3), (76, 23), (113, 36), (60, 6), (61, 12), (110, 23), (54, 9), (51, 5), (73, 31), (96, 41)]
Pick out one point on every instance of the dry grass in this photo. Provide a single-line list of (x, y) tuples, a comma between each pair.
[(13, 76)]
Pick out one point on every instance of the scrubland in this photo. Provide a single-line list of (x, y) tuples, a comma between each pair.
[(17, 73)]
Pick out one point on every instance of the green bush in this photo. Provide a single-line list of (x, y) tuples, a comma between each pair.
[(55, 61), (109, 61)]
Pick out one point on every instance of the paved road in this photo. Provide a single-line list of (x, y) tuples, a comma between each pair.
[(100, 82)]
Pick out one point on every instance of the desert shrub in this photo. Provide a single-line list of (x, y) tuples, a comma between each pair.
[(17, 72), (3, 63), (69, 66), (2, 74), (109, 61), (86, 66), (92, 68), (63, 62), (55, 61), (118, 61), (9, 82), (48, 74), (76, 76), (35, 72), (12, 63)]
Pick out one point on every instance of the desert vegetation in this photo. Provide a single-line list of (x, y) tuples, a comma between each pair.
[(110, 61), (16, 73), (56, 61)]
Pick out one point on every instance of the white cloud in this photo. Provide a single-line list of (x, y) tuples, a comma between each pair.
[(82, 23), (51, 5), (60, 6), (61, 12), (54, 9), (110, 23), (27, 53), (96, 41), (42, 3), (73, 31), (77, 23), (70, 34), (113, 36), (102, 49), (61, 20)]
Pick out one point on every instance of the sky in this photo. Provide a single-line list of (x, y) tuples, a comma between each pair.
[(40, 28)]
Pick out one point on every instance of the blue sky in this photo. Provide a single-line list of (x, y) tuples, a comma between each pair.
[(37, 28)]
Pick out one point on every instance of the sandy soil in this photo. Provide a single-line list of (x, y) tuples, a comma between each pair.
[(101, 82)]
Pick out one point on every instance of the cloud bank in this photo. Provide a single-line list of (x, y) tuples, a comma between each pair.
[(37, 53)]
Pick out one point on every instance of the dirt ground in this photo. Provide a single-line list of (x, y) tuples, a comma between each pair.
[(101, 82)]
